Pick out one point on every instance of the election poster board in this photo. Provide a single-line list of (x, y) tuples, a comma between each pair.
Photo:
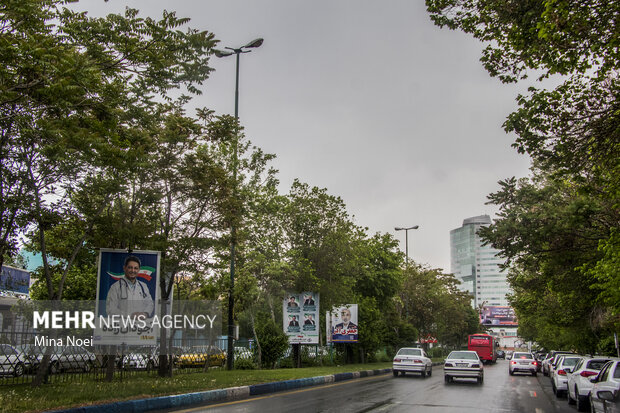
[(14, 281), (301, 318), (343, 324), (127, 296), (498, 316)]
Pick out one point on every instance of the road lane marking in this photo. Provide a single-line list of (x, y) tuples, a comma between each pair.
[(276, 394)]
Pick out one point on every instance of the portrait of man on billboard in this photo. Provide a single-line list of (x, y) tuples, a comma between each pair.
[(128, 295), (127, 286), (344, 327)]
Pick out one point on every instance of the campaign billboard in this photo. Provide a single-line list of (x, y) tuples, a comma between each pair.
[(498, 316), (127, 289), (301, 317), (14, 280), (343, 326)]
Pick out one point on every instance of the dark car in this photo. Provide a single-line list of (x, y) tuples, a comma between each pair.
[(501, 354)]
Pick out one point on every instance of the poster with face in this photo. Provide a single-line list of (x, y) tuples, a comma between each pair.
[(344, 324), (498, 316), (301, 312), (127, 293)]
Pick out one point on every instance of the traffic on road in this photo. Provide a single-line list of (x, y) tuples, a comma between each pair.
[(500, 392)]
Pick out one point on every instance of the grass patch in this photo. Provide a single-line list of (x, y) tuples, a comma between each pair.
[(23, 398)]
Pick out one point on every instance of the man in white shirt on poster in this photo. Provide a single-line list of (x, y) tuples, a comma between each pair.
[(130, 296)]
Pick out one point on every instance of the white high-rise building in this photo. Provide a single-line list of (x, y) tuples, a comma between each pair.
[(477, 266)]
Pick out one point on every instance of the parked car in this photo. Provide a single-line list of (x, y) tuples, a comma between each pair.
[(12, 362), (540, 357), (412, 360), (67, 358), (463, 364), (523, 362), (579, 384), (142, 358), (605, 393), (563, 367), (243, 353), (204, 356), (546, 366), (501, 354)]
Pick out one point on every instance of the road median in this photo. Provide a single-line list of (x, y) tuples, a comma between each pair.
[(220, 395)]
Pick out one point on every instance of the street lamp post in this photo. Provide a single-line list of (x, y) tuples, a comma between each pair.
[(233, 230), (407, 241)]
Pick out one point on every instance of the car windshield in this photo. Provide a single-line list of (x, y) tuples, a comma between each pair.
[(409, 352), (7, 351), (522, 356), (465, 355)]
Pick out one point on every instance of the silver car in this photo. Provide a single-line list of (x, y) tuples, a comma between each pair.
[(524, 363), (463, 364), (605, 394), (412, 360)]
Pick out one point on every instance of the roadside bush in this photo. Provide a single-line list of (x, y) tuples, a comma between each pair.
[(382, 356), (272, 340), (244, 364)]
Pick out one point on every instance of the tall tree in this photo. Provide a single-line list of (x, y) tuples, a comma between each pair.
[(76, 99)]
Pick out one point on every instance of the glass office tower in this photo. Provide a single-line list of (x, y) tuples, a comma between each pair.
[(477, 266)]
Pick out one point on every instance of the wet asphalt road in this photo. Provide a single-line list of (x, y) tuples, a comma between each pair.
[(500, 392)]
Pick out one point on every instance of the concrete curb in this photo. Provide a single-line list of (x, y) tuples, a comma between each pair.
[(234, 393)]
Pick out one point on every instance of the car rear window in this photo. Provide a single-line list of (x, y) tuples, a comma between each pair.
[(465, 355), (596, 364), (410, 352), (522, 356), (570, 361), (617, 371)]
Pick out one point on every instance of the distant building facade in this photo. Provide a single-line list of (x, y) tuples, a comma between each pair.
[(477, 266)]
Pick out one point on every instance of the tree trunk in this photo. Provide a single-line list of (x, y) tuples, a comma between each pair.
[(258, 348)]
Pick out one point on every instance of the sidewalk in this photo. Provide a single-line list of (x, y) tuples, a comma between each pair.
[(223, 395)]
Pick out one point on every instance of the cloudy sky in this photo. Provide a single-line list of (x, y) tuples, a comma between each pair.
[(366, 98)]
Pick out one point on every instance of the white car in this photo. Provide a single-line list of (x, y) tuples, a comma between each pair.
[(143, 358), (66, 358), (605, 394), (559, 375), (412, 360), (242, 353), (554, 364), (579, 384), (463, 364), (546, 364), (523, 362), (12, 362)]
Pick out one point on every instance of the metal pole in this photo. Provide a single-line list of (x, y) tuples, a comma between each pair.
[(233, 230), (406, 241), (233, 236), (407, 247)]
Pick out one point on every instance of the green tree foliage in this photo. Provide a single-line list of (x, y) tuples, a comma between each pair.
[(556, 36), (431, 302), (77, 100), (558, 228), (550, 229)]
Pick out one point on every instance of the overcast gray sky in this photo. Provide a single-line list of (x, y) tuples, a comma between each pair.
[(366, 98)]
